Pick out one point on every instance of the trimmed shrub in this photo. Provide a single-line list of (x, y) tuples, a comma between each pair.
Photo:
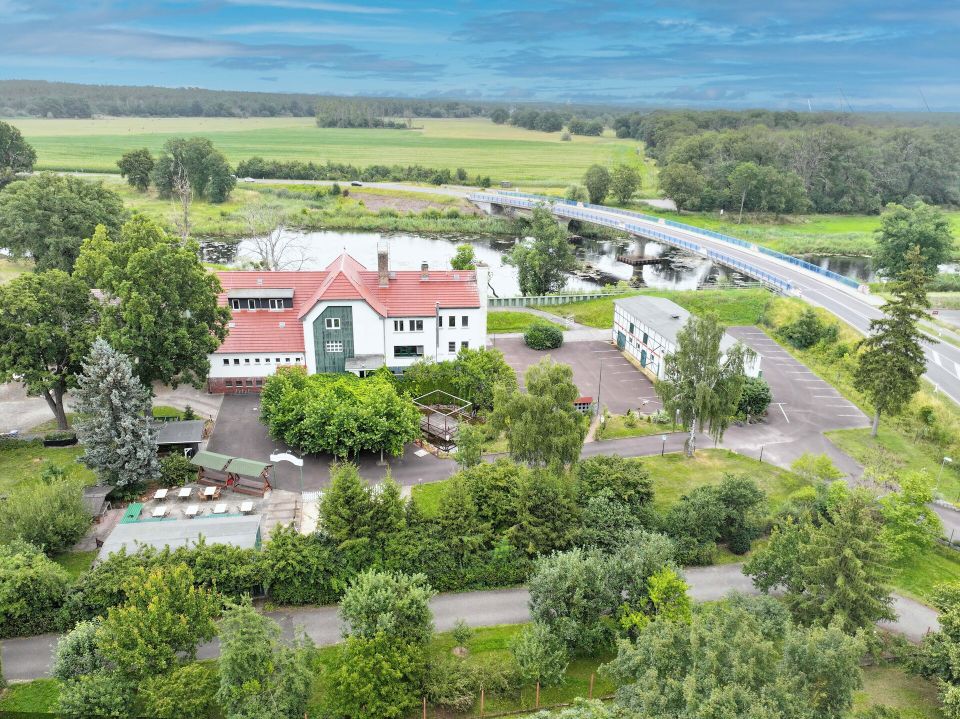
[(49, 514), (755, 398), (32, 589), (176, 470), (77, 652), (543, 336), (101, 694), (185, 693), (809, 329)]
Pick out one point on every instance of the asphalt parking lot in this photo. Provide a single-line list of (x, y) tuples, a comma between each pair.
[(804, 406), (623, 386)]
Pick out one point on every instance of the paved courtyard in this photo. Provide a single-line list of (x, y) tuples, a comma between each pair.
[(240, 433), (623, 386)]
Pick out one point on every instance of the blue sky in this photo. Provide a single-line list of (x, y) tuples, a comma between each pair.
[(715, 53)]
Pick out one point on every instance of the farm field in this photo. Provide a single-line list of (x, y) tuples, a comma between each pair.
[(503, 152)]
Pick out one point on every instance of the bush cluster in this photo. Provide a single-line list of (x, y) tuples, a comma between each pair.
[(809, 329), (542, 335)]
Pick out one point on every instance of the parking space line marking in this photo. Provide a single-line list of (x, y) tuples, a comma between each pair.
[(937, 359), (957, 368), (851, 415), (780, 405)]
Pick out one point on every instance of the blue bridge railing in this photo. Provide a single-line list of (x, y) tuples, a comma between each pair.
[(524, 199)]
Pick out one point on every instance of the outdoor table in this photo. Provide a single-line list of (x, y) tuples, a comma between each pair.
[(220, 508), (246, 507), (160, 511), (184, 492), (160, 494), (191, 511)]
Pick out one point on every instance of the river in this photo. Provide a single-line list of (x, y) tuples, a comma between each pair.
[(678, 269)]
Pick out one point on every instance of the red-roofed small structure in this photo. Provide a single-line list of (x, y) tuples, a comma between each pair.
[(345, 318)]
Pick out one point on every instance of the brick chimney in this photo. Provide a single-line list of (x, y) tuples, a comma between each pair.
[(424, 271), (383, 266)]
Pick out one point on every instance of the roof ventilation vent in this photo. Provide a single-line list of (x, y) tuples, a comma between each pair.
[(259, 280), (283, 324), (456, 276), (231, 324)]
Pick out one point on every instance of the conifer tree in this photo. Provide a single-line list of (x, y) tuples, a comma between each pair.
[(892, 360), (114, 419)]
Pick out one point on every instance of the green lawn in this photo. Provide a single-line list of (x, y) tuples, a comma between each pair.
[(499, 322), (615, 427), (11, 269), (76, 563), (23, 465), (39, 696), (733, 307), (889, 685), (501, 151), (489, 646), (673, 476), (916, 576)]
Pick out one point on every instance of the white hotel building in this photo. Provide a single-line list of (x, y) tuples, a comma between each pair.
[(345, 318)]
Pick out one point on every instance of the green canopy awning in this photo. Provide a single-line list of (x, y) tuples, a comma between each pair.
[(211, 460), (246, 467)]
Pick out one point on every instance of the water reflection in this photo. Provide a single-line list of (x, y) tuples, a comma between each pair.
[(678, 270)]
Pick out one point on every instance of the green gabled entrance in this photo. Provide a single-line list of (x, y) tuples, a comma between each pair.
[(333, 338)]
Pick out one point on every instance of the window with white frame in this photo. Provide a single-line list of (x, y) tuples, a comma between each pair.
[(251, 304), (398, 325), (235, 304), (416, 325), (452, 320), (332, 323), (226, 360), (464, 345), (451, 346), (464, 321), (332, 346), (276, 304)]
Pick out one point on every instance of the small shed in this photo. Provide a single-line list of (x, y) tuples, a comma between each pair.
[(237, 531), (181, 435), (95, 500), (583, 404)]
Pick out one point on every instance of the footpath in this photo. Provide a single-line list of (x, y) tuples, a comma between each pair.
[(30, 657)]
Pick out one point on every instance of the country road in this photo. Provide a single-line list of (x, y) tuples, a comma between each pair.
[(30, 657)]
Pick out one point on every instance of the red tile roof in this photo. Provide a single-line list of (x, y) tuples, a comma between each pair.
[(344, 279)]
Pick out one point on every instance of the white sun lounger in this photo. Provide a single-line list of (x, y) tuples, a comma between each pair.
[(220, 508), (160, 494), (185, 492), (191, 511), (246, 507), (159, 511)]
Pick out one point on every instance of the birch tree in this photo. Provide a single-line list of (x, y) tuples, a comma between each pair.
[(114, 422), (701, 382)]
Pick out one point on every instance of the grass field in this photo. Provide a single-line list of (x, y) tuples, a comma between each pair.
[(24, 465), (499, 322), (799, 234), (503, 152), (673, 476), (76, 563), (615, 427), (733, 307)]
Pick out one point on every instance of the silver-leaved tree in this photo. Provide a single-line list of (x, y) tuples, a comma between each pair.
[(114, 422)]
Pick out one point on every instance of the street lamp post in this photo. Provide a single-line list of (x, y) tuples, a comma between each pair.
[(663, 446), (945, 461)]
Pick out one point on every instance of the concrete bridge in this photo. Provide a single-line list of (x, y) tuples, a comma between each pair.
[(842, 296)]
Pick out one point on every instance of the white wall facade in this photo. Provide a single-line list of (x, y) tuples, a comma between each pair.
[(650, 348), (251, 364)]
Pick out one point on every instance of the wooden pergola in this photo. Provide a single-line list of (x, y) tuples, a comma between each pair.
[(247, 476)]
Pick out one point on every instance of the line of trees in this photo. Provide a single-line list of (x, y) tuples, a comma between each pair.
[(259, 168)]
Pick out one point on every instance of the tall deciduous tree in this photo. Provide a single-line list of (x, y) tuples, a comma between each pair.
[(541, 424), (165, 616), (47, 217), (543, 262), (115, 422), (682, 183), (597, 181), (159, 302), (469, 445), (46, 327), (137, 166), (909, 525), (393, 604), (701, 382), (16, 154), (891, 360), (477, 371), (205, 168), (903, 228), (260, 676), (624, 182)]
